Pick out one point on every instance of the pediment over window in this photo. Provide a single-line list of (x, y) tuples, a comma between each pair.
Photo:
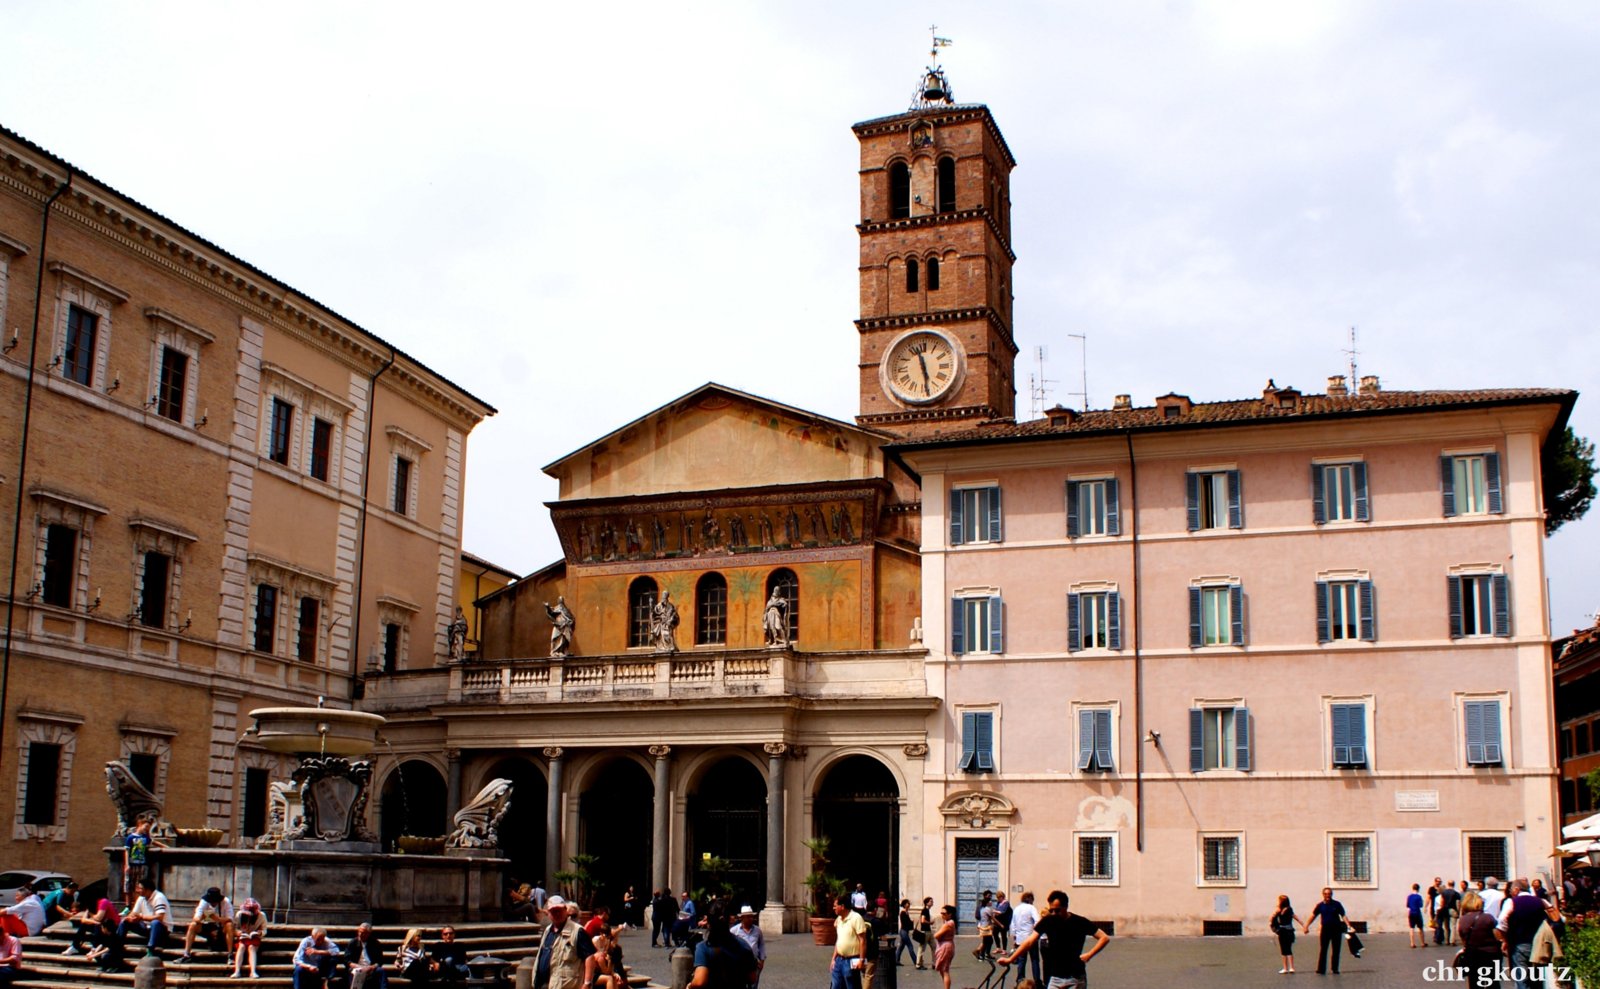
[(977, 809)]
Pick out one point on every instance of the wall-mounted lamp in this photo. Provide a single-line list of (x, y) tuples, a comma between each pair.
[(94, 605), (54, 362), (35, 590), (205, 417), (1153, 737), (150, 404), (10, 344), (187, 621)]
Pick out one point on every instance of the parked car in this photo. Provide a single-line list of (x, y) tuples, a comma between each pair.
[(42, 882)]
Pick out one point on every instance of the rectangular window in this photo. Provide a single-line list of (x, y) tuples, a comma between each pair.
[(1352, 860), (1339, 493), (170, 387), (977, 742), (60, 565), (1487, 855), (145, 767), (1470, 484), (1093, 508), (1097, 858), (1094, 620), (1094, 740), (1214, 500), (1220, 859), (1480, 604), (321, 448), (43, 789), (402, 485), (1346, 611), (280, 430), (977, 625), (305, 645), (153, 590), (266, 617), (391, 647), (253, 820), (1219, 738), (77, 359), (1216, 615), (975, 515), (1349, 723), (1580, 739), (1482, 720)]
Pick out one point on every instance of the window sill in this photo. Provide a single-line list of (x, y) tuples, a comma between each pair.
[(1219, 884), (1097, 882)]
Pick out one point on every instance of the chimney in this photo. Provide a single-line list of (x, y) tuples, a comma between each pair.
[(1369, 384), (1122, 403), (1060, 415), (1336, 388)]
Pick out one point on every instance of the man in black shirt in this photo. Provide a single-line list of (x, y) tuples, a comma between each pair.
[(1331, 913), (1060, 935)]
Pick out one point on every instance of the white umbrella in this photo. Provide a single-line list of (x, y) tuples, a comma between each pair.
[(1589, 827)]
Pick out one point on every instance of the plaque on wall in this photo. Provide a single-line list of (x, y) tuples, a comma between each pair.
[(1416, 800)]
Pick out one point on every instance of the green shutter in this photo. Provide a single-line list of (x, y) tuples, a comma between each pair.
[(1196, 636), (1072, 510), (1241, 738), (1236, 609), (997, 624), (1340, 715), (1358, 479), (985, 741), (1454, 584), (1113, 509), (1102, 741), (969, 740), (995, 530), (1447, 484), (957, 513), (1085, 739), (1235, 500), (1500, 594), (1323, 632), (1369, 610), (1491, 468), (1319, 510), (1473, 712), (1074, 630), (1114, 620), (1192, 487), (1197, 742), (958, 626), (1491, 733)]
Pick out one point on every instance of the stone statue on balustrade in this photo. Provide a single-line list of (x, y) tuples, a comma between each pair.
[(776, 621), (455, 635), (561, 626), (664, 624)]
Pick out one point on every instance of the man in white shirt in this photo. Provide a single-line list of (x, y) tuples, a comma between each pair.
[(1492, 897), (1023, 917), (858, 900), (150, 914), (213, 914), (28, 909)]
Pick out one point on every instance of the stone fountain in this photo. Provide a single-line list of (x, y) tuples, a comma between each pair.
[(321, 863)]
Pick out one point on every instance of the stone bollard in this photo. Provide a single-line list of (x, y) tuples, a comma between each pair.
[(524, 972), (149, 973), (682, 967)]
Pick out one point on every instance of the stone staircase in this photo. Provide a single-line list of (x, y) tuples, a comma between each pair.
[(45, 964)]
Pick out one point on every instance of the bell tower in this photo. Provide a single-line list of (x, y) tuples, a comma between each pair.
[(937, 349)]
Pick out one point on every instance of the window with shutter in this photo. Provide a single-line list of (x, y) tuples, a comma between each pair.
[(1482, 720), (1349, 735), (1480, 604), (1214, 500), (1216, 615), (975, 515), (1339, 492), (977, 625), (1093, 508), (1470, 484), (977, 742), (1219, 738), (1094, 740)]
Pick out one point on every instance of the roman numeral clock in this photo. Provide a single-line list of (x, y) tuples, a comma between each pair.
[(922, 367)]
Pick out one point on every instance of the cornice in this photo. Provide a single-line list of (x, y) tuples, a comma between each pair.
[(909, 416), (981, 213), (937, 317), (938, 117)]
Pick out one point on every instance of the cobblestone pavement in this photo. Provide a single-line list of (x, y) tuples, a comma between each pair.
[(1191, 963)]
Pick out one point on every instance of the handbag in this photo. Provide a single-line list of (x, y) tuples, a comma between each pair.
[(921, 937)]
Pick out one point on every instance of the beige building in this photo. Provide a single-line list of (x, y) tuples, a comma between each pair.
[(221, 495)]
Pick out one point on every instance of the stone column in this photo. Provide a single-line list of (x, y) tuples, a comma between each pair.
[(552, 817), (776, 751), (452, 782), (660, 836)]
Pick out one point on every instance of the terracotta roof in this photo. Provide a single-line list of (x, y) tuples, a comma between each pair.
[(1244, 412)]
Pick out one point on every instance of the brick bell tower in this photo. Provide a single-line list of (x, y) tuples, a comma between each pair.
[(937, 349)]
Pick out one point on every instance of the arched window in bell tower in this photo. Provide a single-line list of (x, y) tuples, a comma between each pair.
[(911, 274), (933, 274), (899, 191), (947, 186), (641, 602)]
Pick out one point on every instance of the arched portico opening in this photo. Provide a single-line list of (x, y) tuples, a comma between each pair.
[(522, 831), (857, 804), (728, 821), (412, 802), (614, 817)]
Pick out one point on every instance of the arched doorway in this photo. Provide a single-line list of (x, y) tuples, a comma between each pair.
[(412, 802), (857, 804), (614, 822), (728, 822), (522, 832)]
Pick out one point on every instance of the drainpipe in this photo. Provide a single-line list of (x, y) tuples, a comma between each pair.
[(356, 686), (22, 459), (1138, 658)]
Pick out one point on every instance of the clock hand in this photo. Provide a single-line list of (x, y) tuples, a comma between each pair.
[(927, 384)]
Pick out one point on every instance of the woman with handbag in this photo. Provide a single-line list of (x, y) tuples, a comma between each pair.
[(1283, 921), (1480, 949)]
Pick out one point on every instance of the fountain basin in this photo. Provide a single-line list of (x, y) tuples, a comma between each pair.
[(316, 730)]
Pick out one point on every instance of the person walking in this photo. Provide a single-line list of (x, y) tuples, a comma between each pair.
[(1283, 921), (1023, 918), (663, 911), (1519, 922), (944, 943), (1414, 906), (1001, 920), (1449, 908), (1480, 948), (748, 931), (908, 929), (1331, 913), (985, 918), (851, 931), (1060, 935)]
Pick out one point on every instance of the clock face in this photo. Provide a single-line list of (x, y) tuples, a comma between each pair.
[(922, 367)]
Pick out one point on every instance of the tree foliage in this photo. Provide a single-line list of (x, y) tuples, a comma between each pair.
[(1568, 480)]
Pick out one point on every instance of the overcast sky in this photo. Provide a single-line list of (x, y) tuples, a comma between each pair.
[(581, 211)]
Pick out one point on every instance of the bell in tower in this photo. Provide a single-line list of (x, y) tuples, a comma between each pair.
[(933, 87)]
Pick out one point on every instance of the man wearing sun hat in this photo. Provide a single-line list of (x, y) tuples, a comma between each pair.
[(565, 959), (748, 931)]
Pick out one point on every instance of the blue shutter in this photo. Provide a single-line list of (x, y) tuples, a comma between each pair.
[(1473, 711), (1085, 738), (1102, 741), (1447, 484), (1358, 734), (997, 624), (1114, 620), (1235, 500), (985, 741), (1236, 609), (1358, 478), (1074, 638), (1319, 509), (1491, 733), (1369, 610), (1195, 636), (1323, 634), (1192, 486), (1340, 714), (958, 626), (994, 514), (1197, 743), (1455, 607), (1113, 508), (957, 515), (1241, 738), (1072, 510), (1500, 592), (1491, 467), (969, 740)]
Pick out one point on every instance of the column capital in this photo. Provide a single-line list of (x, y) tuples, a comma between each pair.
[(452, 755), (554, 751), (776, 749), (660, 751)]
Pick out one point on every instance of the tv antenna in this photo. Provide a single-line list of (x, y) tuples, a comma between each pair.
[(1083, 362), (1351, 353), (1038, 384)]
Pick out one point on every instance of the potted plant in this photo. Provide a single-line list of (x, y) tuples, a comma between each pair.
[(577, 883), (824, 887)]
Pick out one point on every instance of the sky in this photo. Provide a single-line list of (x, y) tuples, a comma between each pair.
[(579, 212)]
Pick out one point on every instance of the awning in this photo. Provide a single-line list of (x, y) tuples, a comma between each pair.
[(1589, 828)]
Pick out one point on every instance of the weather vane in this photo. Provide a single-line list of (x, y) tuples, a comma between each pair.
[(932, 86)]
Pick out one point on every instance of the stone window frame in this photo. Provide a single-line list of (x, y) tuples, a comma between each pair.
[(1371, 839), (167, 330), (293, 583), (1115, 879), (9, 250), (394, 611), (151, 535), (310, 403), (52, 507), (75, 287), (153, 740), (277, 768), (1201, 880), (50, 728), (403, 443)]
